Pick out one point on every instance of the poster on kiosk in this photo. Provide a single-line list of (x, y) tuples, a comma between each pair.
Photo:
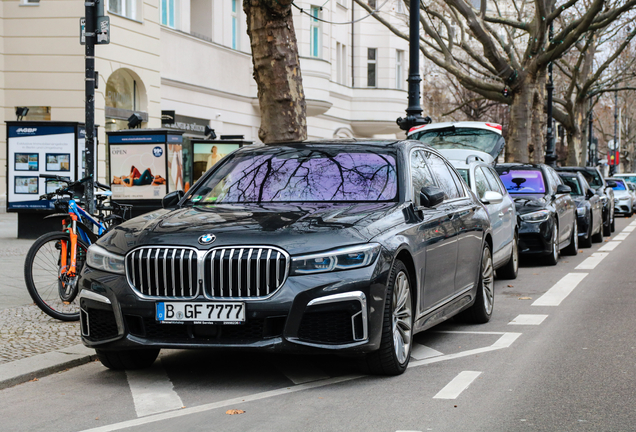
[(145, 165), (35, 148)]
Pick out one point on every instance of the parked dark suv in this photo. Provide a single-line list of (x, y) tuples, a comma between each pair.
[(336, 246), (598, 183)]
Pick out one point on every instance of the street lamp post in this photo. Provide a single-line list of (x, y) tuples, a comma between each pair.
[(414, 109), (591, 149), (550, 153)]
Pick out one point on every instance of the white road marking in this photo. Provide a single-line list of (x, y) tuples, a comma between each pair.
[(621, 236), (421, 352), (506, 339), (152, 391), (592, 261), (629, 228), (555, 295), (301, 373), (633, 224), (609, 246), (527, 319), (460, 383)]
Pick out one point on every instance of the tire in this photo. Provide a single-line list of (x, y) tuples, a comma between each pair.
[(598, 237), (607, 228), (553, 258), (511, 269), (394, 353), (50, 290), (586, 241), (573, 248), (481, 311), (613, 224), (128, 359)]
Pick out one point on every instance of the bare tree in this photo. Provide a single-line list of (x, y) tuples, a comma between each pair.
[(502, 54), (276, 70)]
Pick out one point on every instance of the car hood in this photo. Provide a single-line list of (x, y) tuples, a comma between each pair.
[(621, 194), (296, 228), (528, 203)]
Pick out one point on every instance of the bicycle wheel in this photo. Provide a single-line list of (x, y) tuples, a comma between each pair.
[(50, 288)]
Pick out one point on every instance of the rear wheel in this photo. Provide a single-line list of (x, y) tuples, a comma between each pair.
[(394, 353), (573, 248), (128, 359), (49, 286), (481, 311), (511, 269), (598, 237)]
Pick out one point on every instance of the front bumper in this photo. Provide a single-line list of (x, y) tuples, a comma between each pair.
[(535, 238), (338, 311), (622, 207)]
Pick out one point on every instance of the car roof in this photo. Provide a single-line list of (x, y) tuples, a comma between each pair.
[(493, 127), (520, 165)]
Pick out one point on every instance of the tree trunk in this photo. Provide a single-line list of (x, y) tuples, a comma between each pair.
[(520, 121), (276, 70), (577, 145), (538, 129)]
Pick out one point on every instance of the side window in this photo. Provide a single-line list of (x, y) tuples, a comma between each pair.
[(494, 181), (481, 183), (550, 180), (445, 177), (420, 174), (557, 180)]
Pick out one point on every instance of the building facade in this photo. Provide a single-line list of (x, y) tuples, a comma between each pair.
[(192, 57)]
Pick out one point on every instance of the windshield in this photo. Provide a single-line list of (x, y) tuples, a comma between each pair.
[(620, 186), (574, 184), (523, 181), (464, 174), (593, 178), (629, 178), (452, 138), (301, 175)]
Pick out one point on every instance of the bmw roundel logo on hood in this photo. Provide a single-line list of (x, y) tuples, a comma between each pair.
[(207, 239)]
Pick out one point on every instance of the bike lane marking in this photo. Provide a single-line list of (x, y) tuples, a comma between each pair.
[(629, 228), (592, 261), (421, 352), (609, 246), (453, 389), (555, 295), (505, 341), (152, 390), (621, 236), (528, 319)]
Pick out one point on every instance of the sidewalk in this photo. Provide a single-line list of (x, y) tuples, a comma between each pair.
[(32, 344)]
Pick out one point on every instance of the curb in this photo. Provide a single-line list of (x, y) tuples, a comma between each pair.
[(21, 371)]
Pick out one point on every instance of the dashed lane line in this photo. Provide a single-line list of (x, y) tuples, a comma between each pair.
[(621, 236), (629, 228), (299, 373), (609, 246), (528, 319), (592, 261), (460, 383), (555, 295), (421, 352), (152, 391)]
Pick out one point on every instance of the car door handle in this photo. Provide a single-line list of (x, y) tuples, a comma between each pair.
[(501, 214)]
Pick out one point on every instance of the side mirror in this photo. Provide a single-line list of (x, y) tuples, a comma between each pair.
[(563, 189), (431, 196), (611, 183), (171, 200), (492, 197), (589, 194)]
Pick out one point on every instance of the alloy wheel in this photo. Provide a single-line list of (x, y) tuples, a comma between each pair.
[(487, 281), (555, 242), (515, 254), (402, 316)]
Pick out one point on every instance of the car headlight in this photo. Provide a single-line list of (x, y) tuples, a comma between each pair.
[(538, 216), (346, 258), (580, 211), (100, 259)]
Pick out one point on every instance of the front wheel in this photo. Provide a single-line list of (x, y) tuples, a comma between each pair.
[(553, 258), (586, 242), (394, 353), (49, 286), (481, 311), (573, 248), (613, 224), (511, 269)]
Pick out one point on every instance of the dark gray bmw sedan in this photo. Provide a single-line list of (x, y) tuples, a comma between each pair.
[(343, 246)]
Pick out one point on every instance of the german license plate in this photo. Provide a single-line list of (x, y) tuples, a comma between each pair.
[(201, 313)]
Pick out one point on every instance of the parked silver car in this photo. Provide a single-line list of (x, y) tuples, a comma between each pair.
[(623, 201), (472, 147)]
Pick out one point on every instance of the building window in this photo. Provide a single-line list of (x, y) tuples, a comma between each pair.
[(235, 25), (169, 11), (314, 28), (341, 63), (127, 8), (399, 69), (372, 54)]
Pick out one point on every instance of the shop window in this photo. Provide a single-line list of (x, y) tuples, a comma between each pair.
[(372, 54), (315, 31), (126, 8)]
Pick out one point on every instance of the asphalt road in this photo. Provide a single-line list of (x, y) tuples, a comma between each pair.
[(558, 355)]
